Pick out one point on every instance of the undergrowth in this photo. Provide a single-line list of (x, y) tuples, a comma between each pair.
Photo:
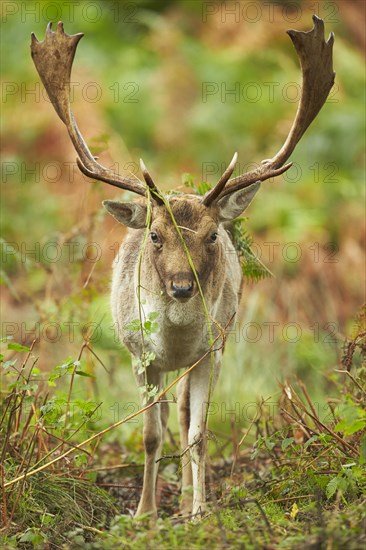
[(296, 479)]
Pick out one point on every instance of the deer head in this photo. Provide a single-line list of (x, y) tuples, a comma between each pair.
[(198, 219)]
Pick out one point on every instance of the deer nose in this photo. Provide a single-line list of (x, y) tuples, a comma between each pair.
[(182, 289)]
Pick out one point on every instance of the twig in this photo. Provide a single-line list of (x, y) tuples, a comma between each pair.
[(299, 422), (181, 455), (30, 451), (347, 361), (72, 382), (63, 441), (289, 498), (244, 501), (91, 529), (236, 454), (318, 456), (22, 394), (5, 513), (15, 406), (352, 378), (97, 358), (116, 467), (118, 485), (307, 397), (333, 434)]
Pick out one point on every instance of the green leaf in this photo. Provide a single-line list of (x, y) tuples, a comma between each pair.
[(325, 438), (187, 180), (8, 364), (17, 347), (65, 368), (287, 442), (34, 536), (153, 315), (253, 269), (353, 418), (269, 444), (81, 460), (145, 361), (310, 441), (199, 188), (147, 326), (332, 487), (134, 325), (151, 327), (140, 368), (51, 411), (349, 429), (83, 373), (152, 391), (30, 387), (342, 484), (48, 519)]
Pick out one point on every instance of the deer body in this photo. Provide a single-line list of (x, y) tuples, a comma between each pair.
[(167, 283), (183, 337)]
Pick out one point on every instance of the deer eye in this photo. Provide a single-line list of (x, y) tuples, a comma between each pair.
[(154, 237), (213, 237)]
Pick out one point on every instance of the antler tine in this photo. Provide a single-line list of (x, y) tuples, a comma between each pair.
[(150, 183), (215, 192), (53, 59), (316, 62)]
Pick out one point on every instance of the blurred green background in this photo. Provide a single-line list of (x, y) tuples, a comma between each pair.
[(184, 85)]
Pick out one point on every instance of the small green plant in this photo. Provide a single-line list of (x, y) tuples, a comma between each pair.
[(197, 188), (147, 327), (253, 269)]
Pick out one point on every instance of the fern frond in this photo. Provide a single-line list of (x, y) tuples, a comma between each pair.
[(252, 267)]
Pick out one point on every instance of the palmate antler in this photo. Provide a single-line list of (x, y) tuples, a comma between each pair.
[(53, 59), (317, 80)]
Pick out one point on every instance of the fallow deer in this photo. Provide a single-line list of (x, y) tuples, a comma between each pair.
[(189, 272)]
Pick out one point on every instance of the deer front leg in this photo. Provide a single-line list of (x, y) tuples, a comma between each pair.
[(184, 421), (201, 378), (153, 440)]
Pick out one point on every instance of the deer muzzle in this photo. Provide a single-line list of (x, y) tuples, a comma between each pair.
[(182, 287)]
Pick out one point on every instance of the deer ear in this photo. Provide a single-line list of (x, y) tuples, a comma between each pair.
[(231, 206), (128, 213)]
